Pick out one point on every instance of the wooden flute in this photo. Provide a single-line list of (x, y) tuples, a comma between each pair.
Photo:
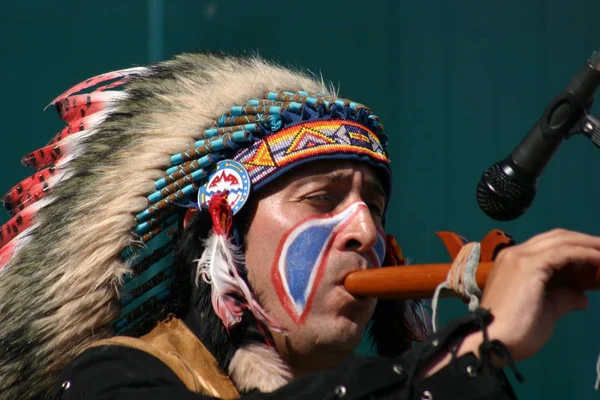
[(420, 281)]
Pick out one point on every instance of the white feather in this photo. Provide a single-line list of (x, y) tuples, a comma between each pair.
[(218, 267), (417, 319)]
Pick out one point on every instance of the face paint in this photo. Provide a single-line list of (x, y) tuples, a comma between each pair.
[(302, 257), (377, 252)]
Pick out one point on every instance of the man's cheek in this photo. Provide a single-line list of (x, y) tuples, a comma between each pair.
[(301, 261)]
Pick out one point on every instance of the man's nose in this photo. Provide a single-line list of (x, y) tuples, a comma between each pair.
[(359, 232)]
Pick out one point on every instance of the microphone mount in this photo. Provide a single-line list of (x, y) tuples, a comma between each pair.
[(507, 189), (591, 129)]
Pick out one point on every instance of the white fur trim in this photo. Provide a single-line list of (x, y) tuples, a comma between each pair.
[(257, 366)]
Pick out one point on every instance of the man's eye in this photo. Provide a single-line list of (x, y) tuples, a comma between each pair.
[(376, 209), (321, 198), (322, 202)]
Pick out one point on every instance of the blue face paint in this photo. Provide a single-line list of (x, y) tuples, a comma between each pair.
[(302, 258), (378, 251)]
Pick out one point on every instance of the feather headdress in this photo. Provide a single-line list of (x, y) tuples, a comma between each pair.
[(88, 252)]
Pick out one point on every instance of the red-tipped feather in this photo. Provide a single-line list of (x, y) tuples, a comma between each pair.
[(6, 253), (112, 85), (79, 106), (100, 79), (33, 195), (12, 198), (43, 157), (16, 225), (75, 126)]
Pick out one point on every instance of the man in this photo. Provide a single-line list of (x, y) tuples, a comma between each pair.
[(189, 235)]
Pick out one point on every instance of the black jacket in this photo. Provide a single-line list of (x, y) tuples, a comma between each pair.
[(115, 372)]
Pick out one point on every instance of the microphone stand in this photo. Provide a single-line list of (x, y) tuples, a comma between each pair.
[(507, 188), (591, 129)]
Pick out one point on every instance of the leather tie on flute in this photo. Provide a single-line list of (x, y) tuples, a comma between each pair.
[(420, 281)]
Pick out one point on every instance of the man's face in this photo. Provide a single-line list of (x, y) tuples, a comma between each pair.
[(310, 229)]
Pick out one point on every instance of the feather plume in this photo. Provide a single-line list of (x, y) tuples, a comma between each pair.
[(417, 320), (101, 79), (12, 248), (43, 157), (111, 85), (57, 154), (34, 194), (79, 125), (6, 253), (16, 193), (214, 269), (79, 106), (17, 224), (258, 366), (218, 267)]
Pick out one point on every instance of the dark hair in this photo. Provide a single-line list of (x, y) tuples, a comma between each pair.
[(387, 330)]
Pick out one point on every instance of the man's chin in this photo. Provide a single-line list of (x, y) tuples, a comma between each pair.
[(339, 332), (355, 308), (320, 343)]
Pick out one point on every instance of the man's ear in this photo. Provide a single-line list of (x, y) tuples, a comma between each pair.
[(189, 214)]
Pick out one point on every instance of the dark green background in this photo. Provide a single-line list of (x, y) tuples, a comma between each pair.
[(456, 83)]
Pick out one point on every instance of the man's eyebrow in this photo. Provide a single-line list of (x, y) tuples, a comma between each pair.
[(371, 184), (330, 177)]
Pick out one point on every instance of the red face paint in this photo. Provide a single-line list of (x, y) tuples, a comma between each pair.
[(302, 258)]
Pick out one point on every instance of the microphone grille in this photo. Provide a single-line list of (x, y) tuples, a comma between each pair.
[(501, 196)]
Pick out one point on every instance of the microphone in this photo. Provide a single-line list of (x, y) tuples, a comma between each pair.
[(507, 188)]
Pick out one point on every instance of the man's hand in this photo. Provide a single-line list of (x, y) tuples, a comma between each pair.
[(524, 311)]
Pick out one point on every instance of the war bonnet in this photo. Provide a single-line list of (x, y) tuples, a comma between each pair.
[(89, 249)]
